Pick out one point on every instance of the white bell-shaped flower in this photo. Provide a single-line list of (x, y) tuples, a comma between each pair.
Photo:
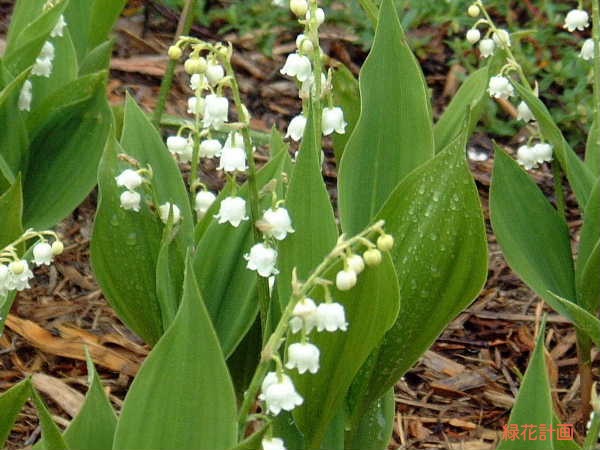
[(355, 263), (232, 210), (169, 208), (262, 259), (304, 316), (276, 223), (42, 254), (333, 120), (233, 159), (47, 51), (273, 443), (299, 7), (129, 179), (279, 393), (19, 275), (4, 277), (331, 317), (210, 148), (524, 113), (177, 144), (204, 200), (542, 152), (526, 157), (42, 67), (487, 47), (577, 19), (304, 357), (198, 82), (25, 96), (216, 110), (130, 201), (297, 66), (473, 36), (501, 38), (195, 105), (215, 73), (500, 87), (320, 15), (345, 279), (587, 50), (296, 128), (58, 29)]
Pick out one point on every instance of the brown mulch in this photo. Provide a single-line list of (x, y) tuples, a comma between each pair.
[(457, 397)]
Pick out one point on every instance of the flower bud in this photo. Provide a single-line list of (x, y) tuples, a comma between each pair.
[(355, 263), (372, 257), (473, 36), (215, 73), (57, 248), (345, 280), (175, 52), (164, 211), (195, 65), (299, 7), (473, 11), (385, 242), (17, 267), (42, 254)]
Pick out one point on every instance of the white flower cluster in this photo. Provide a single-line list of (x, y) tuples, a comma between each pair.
[(531, 156), (131, 180), (579, 20), (43, 65), (298, 65), (15, 272)]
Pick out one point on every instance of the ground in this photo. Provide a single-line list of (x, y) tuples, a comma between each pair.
[(457, 397)]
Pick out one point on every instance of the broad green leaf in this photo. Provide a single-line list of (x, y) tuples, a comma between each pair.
[(11, 403), (587, 264), (104, 15), (579, 175), (232, 302), (97, 59), (66, 148), (23, 13), (440, 257), (534, 402), (52, 438), (376, 426), (519, 211), (94, 427), (309, 205), (169, 276), (346, 94), (24, 49), (182, 397), (64, 70), (125, 247), (13, 138), (371, 309), (583, 320), (468, 99), (242, 363), (592, 150), (11, 209), (141, 141), (394, 132)]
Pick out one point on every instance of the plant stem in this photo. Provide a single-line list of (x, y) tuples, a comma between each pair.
[(262, 283), (275, 341), (596, 69), (183, 28), (584, 356), (559, 192), (317, 107)]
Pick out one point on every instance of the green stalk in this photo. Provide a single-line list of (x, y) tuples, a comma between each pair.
[(371, 9), (596, 66), (183, 28), (262, 284)]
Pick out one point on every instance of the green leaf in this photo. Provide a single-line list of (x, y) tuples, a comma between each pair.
[(11, 208), (534, 402), (104, 15), (346, 94), (440, 257), (182, 397), (394, 132), (519, 211), (232, 302), (587, 265), (51, 436), (579, 175), (141, 141), (94, 427), (11, 403), (371, 309), (309, 205), (97, 59), (24, 49), (376, 426), (169, 276), (592, 150), (24, 12), (583, 320), (56, 155), (125, 247), (468, 98)]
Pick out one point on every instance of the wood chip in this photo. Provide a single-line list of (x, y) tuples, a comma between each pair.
[(69, 399)]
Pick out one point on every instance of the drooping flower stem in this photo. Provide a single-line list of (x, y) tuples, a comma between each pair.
[(183, 29), (299, 291), (262, 284)]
